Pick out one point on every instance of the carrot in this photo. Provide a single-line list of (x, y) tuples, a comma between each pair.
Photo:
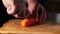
[(28, 22)]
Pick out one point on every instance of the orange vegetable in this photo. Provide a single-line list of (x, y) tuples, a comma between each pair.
[(28, 22)]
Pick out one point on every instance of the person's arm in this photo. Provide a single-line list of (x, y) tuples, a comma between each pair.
[(31, 5)]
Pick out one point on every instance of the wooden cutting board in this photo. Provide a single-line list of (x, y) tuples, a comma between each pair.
[(13, 26)]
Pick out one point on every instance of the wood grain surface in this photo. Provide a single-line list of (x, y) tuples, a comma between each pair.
[(13, 27)]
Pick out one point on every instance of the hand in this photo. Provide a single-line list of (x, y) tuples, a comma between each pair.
[(16, 8), (13, 7)]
